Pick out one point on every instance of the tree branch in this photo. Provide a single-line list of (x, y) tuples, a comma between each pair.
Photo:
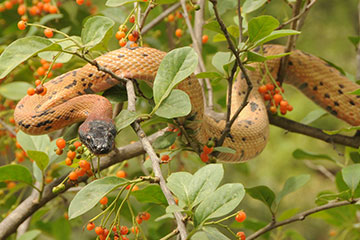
[(154, 160), (297, 127), (29, 206), (300, 217)]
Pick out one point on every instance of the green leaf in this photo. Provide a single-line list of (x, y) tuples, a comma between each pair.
[(348, 129), (255, 57), (355, 157), (291, 185), (124, 119), (177, 104), (313, 116), (221, 202), (204, 182), (179, 184), (293, 235), (220, 59), (41, 158), (223, 6), (177, 65), (301, 154), (35, 143), (174, 208), (116, 94), (287, 214), (118, 3), (260, 27), (164, 1), (165, 140), (95, 31), (277, 55), (351, 176), (15, 172), (29, 235), (356, 92), (14, 90), (224, 150), (214, 234), (219, 38), (150, 194), (262, 193), (21, 50), (276, 34), (354, 40), (213, 26), (91, 194), (252, 5), (65, 44), (209, 75)]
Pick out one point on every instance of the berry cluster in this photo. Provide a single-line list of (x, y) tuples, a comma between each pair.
[(204, 156), (273, 94), (123, 35), (143, 216)]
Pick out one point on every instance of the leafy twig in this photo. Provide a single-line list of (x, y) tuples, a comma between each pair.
[(300, 217)]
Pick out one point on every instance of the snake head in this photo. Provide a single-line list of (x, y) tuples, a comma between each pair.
[(98, 136)]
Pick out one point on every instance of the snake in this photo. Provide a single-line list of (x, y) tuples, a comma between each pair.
[(71, 97)]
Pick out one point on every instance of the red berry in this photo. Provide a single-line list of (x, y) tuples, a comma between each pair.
[(178, 32), (41, 71), (121, 174), (68, 161), (48, 33), (138, 219), (73, 176), (124, 230), (241, 235), (267, 97), (204, 157), (165, 158), (240, 217), (84, 165), (104, 200), (132, 19), (90, 226), (114, 229), (79, 2), (262, 89), (273, 109), (77, 144), (122, 42), (21, 25), (277, 98), (60, 143), (207, 150), (37, 82), (145, 216), (99, 230), (31, 91), (119, 35), (270, 86), (290, 108), (71, 154), (204, 39)]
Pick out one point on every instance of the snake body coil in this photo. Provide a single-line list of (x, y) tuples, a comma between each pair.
[(70, 98)]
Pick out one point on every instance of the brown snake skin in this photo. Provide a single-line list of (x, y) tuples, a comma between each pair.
[(70, 97)]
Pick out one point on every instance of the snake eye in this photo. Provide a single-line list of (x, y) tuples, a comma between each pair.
[(88, 138)]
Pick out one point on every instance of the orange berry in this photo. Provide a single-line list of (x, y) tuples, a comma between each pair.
[(46, 7), (31, 91), (204, 157), (10, 185), (37, 82), (135, 188), (40, 6), (178, 32), (90, 226), (121, 174), (50, 74), (104, 200), (283, 112), (41, 72), (124, 230), (2, 8), (165, 158), (270, 86), (8, 5), (277, 98), (48, 33), (60, 143), (46, 66), (46, 1), (73, 176), (133, 45), (132, 19), (19, 156), (123, 28), (53, 9), (77, 144), (84, 164), (80, 172), (171, 17), (262, 89), (21, 9), (207, 150), (43, 92), (267, 97), (178, 14), (59, 151), (241, 235), (71, 154), (273, 109), (122, 42), (134, 229), (48, 179), (17, 144), (131, 38), (34, 10), (205, 39), (145, 216), (289, 108), (240, 217), (99, 230), (119, 35), (21, 25), (68, 162), (80, 2), (58, 65), (138, 219)]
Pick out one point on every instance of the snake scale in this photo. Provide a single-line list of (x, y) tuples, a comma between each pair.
[(70, 98)]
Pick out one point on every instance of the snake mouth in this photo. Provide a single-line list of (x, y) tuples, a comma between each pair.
[(98, 136)]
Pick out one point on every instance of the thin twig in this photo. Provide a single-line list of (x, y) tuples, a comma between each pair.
[(305, 9), (243, 70), (154, 160), (146, 13), (159, 18), (297, 127), (240, 22), (7, 127), (300, 217), (229, 92)]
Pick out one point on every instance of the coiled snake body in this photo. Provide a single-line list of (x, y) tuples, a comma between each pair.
[(70, 98)]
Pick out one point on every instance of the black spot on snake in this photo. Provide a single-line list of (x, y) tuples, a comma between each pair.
[(67, 118), (303, 86), (290, 63), (231, 137), (74, 73), (244, 139), (84, 84), (44, 113), (336, 103), (329, 108), (321, 83), (90, 75), (340, 92), (351, 102), (357, 96), (83, 79), (253, 106), (257, 49), (47, 128), (326, 95), (73, 84), (50, 97), (120, 56), (20, 106), (58, 117), (88, 90), (72, 110), (145, 55), (333, 112), (43, 123), (341, 86), (315, 88), (37, 106), (54, 92), (242, 153)]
